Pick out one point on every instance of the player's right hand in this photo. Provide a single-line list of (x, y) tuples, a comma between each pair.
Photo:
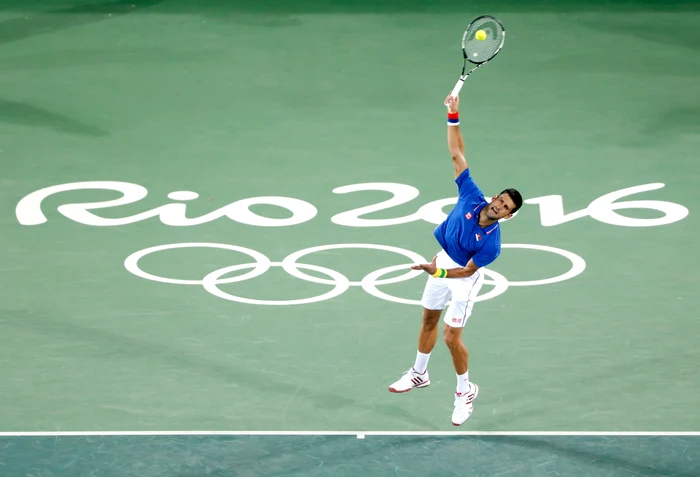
[(452, 103)]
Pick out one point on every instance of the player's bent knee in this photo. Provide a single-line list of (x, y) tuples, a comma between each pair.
[(452, 336)]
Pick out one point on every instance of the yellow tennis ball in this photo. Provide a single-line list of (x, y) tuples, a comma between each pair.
[(480, 35)]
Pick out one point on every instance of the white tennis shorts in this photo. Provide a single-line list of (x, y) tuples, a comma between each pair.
[(461, 291)]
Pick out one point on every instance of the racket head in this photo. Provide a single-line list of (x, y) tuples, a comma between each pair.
[(481, 51)]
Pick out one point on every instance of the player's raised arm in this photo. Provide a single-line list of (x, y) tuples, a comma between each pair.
[(454, 135)]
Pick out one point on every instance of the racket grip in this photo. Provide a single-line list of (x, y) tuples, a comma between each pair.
[(457, 88)]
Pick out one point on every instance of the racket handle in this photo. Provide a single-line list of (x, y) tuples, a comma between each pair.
[(457, 88)]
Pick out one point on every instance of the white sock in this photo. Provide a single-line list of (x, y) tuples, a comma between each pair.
[(463, 382), (421, 362)]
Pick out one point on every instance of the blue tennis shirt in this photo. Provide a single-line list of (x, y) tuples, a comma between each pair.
[(460, 235)]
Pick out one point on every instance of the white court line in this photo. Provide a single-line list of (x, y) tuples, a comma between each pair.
[(351, 433)]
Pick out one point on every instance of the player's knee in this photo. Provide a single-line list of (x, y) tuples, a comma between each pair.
[(453, 337), (431, 318)]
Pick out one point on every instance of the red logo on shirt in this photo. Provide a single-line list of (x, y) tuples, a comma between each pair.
[(469, 216), (478, 237)]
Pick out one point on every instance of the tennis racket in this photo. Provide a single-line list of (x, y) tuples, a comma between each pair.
[(480, 49)]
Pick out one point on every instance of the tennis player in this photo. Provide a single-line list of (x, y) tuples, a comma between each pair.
[(470, 238)]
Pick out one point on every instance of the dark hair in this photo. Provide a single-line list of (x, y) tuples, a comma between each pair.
[(517, 198)]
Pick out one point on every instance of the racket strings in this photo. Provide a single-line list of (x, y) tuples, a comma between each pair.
[(478, 51)]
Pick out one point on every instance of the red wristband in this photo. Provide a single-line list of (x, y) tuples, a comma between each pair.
[(453, 119)]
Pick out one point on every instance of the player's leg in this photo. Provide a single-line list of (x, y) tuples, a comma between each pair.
[(464, 293), (460, 355), (427, 338), (436, 294)]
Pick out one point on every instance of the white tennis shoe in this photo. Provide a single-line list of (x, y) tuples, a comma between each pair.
[(410, 379), (463, 405)]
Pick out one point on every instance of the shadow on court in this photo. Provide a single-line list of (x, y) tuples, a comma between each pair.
[(35, 24), (282, 7), (107, 344), (14, 112), (608, 455)]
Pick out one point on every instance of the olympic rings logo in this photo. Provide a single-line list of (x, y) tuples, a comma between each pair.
[(340, 282)]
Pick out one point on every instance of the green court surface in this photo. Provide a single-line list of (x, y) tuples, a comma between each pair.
[(208, 212), (185, 456)]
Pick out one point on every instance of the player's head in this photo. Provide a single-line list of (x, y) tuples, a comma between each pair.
[(504, 205)]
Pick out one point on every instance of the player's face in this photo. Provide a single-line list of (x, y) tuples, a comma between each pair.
[(501, 206)]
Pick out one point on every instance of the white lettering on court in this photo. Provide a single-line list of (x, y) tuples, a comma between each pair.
[(29, 209), (603, 209)]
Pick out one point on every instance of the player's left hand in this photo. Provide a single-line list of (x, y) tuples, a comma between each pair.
[(429, 268)]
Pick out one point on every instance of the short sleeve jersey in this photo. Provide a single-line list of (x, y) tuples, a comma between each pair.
[(460, 235)]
